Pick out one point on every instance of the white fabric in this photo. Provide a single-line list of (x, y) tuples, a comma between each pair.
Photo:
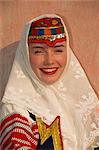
[(71, 97)]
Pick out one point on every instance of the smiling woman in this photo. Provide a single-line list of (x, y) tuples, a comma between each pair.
[(48, 62), (48, 102)]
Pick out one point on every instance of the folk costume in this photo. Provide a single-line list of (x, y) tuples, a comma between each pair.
[(36, 116)]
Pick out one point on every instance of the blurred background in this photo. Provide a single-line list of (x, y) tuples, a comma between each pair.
[(81, 18)]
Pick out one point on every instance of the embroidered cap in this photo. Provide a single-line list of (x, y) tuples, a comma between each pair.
[(47, 30)]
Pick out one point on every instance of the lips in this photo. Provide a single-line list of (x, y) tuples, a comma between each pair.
[(49, 71)]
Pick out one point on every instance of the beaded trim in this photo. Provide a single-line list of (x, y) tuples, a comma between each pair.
[(51, 38)]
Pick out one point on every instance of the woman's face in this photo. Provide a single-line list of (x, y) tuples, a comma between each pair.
[(48, 63)]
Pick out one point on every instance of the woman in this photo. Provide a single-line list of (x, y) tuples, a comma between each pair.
[(48, 102)]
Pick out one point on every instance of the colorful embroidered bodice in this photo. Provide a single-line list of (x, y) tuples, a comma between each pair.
[(18, 134)]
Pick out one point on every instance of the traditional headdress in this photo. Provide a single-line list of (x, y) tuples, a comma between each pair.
[(47, 30), (71, 97)]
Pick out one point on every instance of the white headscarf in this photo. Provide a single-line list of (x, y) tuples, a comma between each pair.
[(71, 97)]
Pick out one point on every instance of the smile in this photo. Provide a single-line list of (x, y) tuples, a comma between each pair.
[(49, 71)]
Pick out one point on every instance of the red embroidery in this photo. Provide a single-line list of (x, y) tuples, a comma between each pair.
[(49, 43), (17, 133)]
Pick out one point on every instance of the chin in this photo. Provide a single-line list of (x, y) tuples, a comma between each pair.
[(50, 81)]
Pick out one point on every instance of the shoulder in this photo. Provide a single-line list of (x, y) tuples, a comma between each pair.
[(17, 130), (7, 109)]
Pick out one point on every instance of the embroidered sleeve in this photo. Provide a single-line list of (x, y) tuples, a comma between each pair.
[(16, 133)]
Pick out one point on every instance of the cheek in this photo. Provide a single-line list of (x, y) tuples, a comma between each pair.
[(35, 61), (62, 60)]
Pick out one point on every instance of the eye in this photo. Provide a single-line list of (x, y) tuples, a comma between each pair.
[(38, 52), (59, 50)]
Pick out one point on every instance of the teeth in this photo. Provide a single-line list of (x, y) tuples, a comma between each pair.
[(49, 70)]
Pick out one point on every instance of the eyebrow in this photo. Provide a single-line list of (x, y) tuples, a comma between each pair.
[(59, 46), (54, 46), (37, 47)]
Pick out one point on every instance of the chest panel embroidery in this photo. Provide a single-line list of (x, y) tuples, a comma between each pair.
[(53, 130)]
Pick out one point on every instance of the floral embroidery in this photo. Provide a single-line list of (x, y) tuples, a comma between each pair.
[(77, 70), (19, 73), (93, 139), (61, 86), (86, 105)]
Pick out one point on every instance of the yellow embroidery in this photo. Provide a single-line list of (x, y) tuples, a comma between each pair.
[(54, 22), (53, 130)]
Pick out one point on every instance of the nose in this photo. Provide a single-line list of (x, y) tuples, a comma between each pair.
[(49, 57)]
